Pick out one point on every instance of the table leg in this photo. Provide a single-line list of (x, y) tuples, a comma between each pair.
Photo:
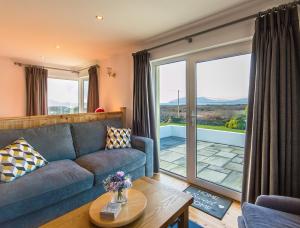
[(184, 219)]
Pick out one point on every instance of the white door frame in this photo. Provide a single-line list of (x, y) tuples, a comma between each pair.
[(230, 50)]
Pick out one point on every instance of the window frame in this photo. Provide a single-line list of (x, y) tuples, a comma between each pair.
[(80, 81), (81, 93)]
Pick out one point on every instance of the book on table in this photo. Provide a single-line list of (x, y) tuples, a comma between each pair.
[(110, 211)]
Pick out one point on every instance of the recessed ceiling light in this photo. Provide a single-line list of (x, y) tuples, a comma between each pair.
[(57, 46), (99, 17)]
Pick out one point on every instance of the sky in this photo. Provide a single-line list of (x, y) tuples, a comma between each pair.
[(63, 91), (226, 78)]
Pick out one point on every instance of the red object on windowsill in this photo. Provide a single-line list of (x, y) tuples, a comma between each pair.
[(100, 109)]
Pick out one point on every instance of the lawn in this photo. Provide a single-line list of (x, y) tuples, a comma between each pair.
[(218, 128)]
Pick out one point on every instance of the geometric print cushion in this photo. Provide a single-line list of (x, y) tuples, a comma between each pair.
[(118, 138), (17, 159)]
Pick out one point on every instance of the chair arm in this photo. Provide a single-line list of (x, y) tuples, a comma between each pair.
[(146, 145), (280, 203)]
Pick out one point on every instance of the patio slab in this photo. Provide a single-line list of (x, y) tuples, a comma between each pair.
[(218, 163), (180, 170), (211, 175), (216, 160), (201, 166), (178, 149), (226, 154), (206, 152), (180, 161), (171, 156), (234, 166), (219, 169), (233, 181), (238, 160), (167, 165)]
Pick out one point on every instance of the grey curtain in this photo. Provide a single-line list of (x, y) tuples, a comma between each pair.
[(93, 91), (272, 150), (143, 102), (36, 91)]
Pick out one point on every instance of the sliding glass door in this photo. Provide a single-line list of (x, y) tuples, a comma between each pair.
[(221, 105), (172, 119), (202, 105)]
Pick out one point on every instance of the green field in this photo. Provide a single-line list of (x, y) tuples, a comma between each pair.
[(219, 128)]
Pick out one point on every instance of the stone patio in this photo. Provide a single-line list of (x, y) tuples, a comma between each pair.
[(217, 163)]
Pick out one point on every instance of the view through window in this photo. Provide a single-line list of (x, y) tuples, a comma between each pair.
[(63, 96), (222, 98), (172, 83)]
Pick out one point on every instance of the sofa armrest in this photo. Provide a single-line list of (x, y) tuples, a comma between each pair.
[(145, 145), (280, 203)]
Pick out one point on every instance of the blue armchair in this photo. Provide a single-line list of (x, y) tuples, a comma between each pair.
[(271, 211)]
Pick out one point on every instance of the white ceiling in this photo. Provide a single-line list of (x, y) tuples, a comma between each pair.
[(30, 29)]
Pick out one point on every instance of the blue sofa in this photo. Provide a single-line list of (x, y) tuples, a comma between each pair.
[(271, 211), (78, 163)]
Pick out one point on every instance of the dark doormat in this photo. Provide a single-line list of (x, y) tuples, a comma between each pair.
[(208, 202)]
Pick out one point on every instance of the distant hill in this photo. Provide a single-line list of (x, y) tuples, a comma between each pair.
[(209, 101), (54, 103)]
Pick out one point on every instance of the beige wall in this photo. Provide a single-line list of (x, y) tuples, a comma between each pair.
[(12, 89), (117, 92), (114, 92), (235, 33)]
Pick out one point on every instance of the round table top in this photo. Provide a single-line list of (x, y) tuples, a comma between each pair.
[(132, 210)]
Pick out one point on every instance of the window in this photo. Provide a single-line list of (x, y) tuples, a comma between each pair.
[(64, 96)]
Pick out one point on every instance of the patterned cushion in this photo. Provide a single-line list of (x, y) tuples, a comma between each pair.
[(17, 159), (118, 138)]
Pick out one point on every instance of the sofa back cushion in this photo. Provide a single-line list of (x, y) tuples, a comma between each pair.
[(90, 137), (53, 142)]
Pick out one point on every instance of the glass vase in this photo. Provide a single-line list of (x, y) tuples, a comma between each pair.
[(119, 196)]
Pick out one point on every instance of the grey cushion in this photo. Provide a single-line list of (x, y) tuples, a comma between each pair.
[(43, 187), (53, 142), (106, 162), (90, 137), (262, 217)]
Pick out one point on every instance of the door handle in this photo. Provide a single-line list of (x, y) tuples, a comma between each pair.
[(193, 117)]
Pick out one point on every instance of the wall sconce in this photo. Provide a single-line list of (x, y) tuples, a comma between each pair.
[(110, 72)]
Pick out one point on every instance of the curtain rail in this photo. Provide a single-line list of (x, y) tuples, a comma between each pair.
[(189, 38), (55, 68)]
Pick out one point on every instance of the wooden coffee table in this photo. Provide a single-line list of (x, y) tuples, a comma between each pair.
[(164, 206), (130, 212)]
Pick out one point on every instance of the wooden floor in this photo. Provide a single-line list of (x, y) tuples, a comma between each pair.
[(203, 219)]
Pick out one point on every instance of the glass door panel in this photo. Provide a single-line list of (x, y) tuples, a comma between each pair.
[(173, 112), (221, 104)]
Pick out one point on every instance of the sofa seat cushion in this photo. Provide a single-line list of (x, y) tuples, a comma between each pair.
[(43, 187), (257, 216), (106, 162)]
